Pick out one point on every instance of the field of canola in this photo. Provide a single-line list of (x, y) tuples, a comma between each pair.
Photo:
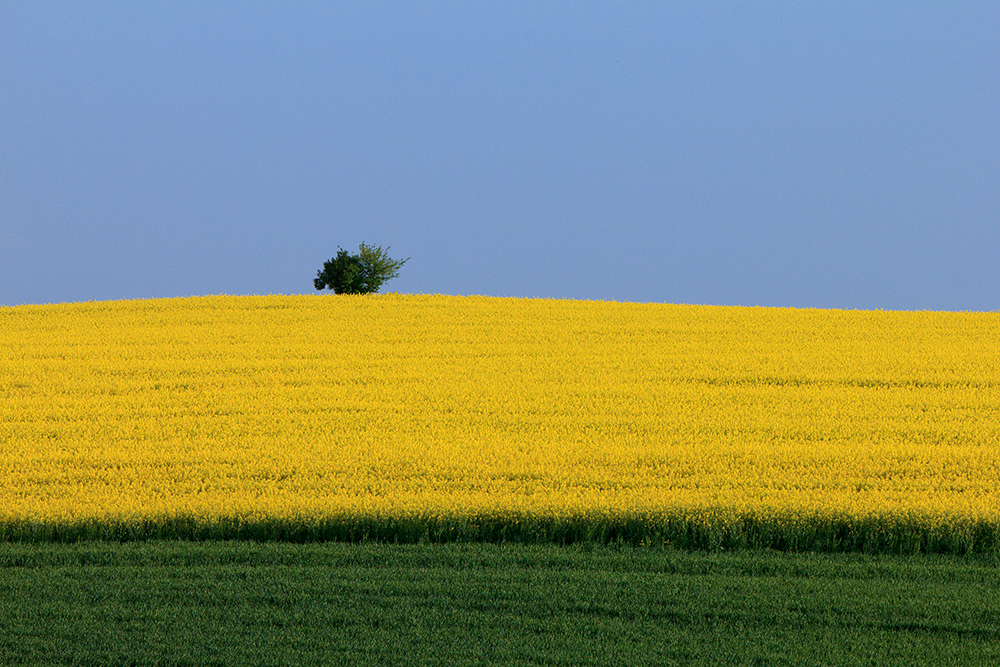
[(420, 417)]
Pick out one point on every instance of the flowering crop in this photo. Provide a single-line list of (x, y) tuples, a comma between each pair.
[(496, 418)]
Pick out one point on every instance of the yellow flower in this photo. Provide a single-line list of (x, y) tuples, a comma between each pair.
[(309, 408)]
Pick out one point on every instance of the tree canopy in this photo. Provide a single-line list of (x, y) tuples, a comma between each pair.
[(362, 273)]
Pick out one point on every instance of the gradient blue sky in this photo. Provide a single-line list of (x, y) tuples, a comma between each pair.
[(809, 154)]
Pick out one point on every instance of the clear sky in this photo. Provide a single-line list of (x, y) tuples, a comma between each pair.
[(808, 154)]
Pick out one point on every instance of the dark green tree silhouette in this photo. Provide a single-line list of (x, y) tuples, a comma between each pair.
[(363, 273)]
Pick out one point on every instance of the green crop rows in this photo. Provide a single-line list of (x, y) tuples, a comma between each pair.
[(244, 603)]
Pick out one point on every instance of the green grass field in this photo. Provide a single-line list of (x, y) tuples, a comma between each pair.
[(246, 603)]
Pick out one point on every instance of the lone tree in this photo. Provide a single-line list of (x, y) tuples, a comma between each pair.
[(363, 273)]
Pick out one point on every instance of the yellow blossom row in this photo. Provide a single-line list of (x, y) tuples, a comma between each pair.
[(311, 407)]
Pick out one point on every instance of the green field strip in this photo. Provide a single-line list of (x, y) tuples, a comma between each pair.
[(245, 603)]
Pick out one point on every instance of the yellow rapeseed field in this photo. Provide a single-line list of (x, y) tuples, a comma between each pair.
[(236, 410)]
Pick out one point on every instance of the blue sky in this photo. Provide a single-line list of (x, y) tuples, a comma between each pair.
[(807, 154)]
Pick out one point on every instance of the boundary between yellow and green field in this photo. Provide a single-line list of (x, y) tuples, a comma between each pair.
[(699, 530)]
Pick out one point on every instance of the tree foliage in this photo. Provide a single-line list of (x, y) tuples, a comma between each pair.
[(363, 273)]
